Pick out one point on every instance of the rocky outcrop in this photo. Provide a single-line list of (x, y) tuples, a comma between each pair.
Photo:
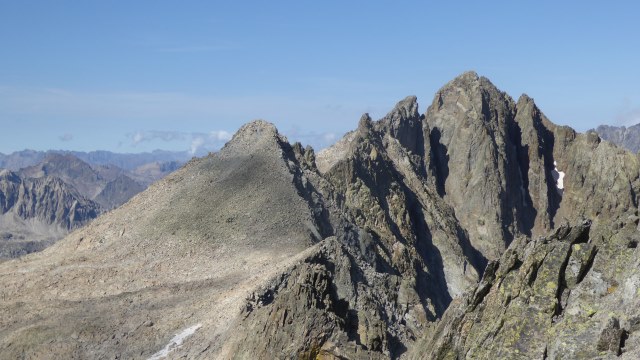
[(563, 296)]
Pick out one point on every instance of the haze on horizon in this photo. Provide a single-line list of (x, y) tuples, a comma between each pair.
[(133, 77)]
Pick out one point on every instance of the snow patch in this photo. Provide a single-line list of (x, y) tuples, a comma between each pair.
[(175, 342), (558, 176)]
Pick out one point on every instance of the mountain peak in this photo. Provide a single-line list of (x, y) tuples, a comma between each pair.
[(257, 134), (406, 108), (469, 75), (469, 82), (365, 122), (257, 128), (403, 123)]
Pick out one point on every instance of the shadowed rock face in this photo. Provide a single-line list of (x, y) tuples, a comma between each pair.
[(415, 236)]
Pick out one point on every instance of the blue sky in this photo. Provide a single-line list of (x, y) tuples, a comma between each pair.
[(131, 76)]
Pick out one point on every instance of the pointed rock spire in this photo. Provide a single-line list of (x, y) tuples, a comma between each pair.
[(404, 124)]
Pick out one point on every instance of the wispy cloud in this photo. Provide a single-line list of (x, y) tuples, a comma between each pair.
[(628, 117), (66, 137), (196, 141)]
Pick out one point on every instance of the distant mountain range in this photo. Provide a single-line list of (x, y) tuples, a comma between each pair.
[(35, 212), (21, 159), (44, 195), (627, 137)]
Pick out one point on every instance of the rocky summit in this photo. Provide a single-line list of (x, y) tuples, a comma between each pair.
[(627, 137), (478, 229)]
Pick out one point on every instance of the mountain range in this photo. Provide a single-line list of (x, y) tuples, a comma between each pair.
[(627, 137), (478, 229), (44, 201), (21, 159)]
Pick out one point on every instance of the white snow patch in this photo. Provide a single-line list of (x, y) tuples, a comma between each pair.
[(175, 342), (558, 176)]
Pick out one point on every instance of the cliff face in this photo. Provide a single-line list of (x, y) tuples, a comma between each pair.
[(573, 294), (415, 236), (496, 162)]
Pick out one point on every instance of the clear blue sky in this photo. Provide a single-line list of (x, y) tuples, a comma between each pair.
[(132, 76)]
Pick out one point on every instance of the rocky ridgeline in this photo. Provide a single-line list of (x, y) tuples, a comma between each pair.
[(434, 197), (436, 235)]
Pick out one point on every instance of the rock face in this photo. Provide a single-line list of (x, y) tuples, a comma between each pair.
[(415, 236), (35, 212), (571, 295), (494, 161), (627, 137)]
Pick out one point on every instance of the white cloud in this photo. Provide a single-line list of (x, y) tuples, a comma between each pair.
[(138, 138), (194, 141), (220, 135)]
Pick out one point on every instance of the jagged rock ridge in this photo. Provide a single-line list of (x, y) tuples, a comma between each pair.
[(270, 250)]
